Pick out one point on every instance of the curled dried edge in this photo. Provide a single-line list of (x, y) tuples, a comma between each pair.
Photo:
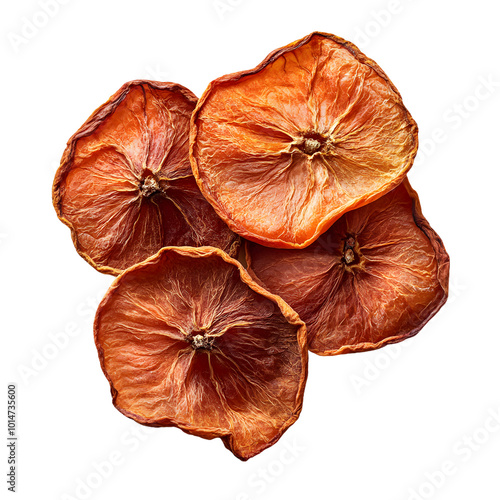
[(355, 203), (90, 125), (443, 274), (211, 433)]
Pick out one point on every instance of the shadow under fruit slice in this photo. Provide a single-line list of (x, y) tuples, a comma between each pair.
[(283, 150), (187, 339), (377, 276), (125, 186)]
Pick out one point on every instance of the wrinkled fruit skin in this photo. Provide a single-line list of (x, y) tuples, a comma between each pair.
[(284, 150), (125, 185), (187, 339), (377, 276)]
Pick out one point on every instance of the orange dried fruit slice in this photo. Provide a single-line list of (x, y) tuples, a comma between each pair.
[(125, 185), (377, 276), (188, 339), (283, 150)]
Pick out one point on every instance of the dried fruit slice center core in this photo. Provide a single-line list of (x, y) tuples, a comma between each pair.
[(150, 186), (351, 252), (313, 142), (200, 340)]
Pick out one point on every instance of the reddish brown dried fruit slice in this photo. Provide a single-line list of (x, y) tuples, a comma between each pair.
[(315, 130), (377, 276), (125, 185), (187, 339)]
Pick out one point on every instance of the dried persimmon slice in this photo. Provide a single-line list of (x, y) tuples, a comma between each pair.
[(377, 276), (125, 186), (188, 339), (283, 150)]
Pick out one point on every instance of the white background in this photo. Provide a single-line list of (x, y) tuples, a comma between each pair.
[(377, 425)]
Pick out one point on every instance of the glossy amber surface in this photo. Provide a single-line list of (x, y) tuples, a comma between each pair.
[(125, 185), (377, 276), (285, 149), (188, 339)]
